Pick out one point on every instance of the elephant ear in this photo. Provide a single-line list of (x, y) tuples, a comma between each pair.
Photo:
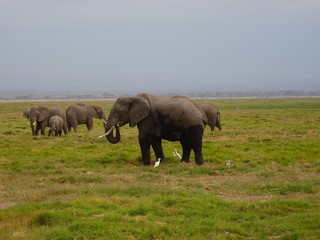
[(92, 111), (99, 111), (43, 113), (138, 110)]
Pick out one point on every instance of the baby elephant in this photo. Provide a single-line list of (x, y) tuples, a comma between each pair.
[(55, 125)]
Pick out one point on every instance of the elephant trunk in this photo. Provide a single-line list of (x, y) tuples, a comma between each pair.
[(33, 122), (32, 129), (109, 127), (114, 139), (112, 122)]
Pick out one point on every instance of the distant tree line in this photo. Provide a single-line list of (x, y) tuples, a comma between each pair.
[(205, 94), (254, 94)]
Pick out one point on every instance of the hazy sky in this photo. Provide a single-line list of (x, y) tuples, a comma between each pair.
[(150, 45)]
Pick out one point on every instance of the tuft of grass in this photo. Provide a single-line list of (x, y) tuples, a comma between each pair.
[(287, 188)]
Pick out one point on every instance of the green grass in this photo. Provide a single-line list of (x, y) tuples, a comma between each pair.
[(81, 187)]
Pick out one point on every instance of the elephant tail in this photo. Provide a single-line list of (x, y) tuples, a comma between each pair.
[(53, 127), (218, 124)]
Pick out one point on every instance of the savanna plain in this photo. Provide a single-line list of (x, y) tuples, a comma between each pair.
[(79, 187)]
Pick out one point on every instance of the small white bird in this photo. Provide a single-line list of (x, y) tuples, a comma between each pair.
[(156, 164), (228, 164), (176, 154)]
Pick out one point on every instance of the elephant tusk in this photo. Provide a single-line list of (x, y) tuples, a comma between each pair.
[(34, 123), (104, 121), (110, 130)]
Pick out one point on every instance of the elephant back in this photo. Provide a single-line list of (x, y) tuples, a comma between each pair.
[(56, 120), (59, 112), (181, 110), (78, 113)]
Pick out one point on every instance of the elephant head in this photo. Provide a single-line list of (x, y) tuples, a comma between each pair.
[(213, 115), (125, 110), (96, 112), (26, 114), (38, 114)]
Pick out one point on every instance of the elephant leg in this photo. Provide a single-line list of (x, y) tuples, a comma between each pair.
[(90, 124), (75, 127), (157, 147), (65, 129), (68, 126), (42, 130), (43, 125), (145, 140), (36, 132), (145, 150), (32, 129), (73, 123), (186, 150), (192, 139), (198, 153)]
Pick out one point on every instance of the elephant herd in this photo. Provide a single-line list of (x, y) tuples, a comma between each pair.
[(57, 119), (174, 119)]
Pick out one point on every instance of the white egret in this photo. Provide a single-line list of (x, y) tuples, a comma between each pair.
[(156, 164), (228, 164), (176, 154)]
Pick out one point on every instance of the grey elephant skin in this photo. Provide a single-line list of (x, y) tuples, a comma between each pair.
[(55, 125), (173, 119), (213, 115), (26, 114), (40, 116), (83, 114)]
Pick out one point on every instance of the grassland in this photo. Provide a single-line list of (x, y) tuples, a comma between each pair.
[(81, 187)]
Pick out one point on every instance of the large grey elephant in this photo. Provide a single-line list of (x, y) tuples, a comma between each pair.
[(26, 114), (40, 116), (213, 115), (83, 114), (173, 119)]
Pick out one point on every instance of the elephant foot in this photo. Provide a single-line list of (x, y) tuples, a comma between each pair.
[(146, 162), (185, 160), (199, 162)]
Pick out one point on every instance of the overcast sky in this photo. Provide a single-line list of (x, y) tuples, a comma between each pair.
[(167, 45)]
